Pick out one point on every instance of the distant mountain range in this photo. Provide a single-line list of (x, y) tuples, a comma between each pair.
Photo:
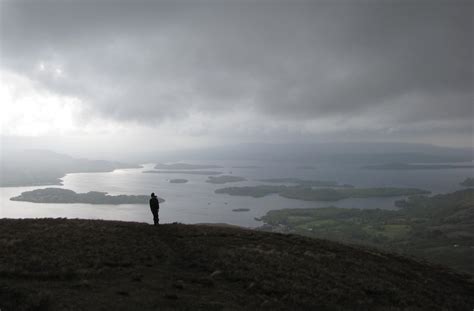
[(357, 153), (44, 167)]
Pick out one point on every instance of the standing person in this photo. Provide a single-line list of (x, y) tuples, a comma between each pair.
[(154, 206)]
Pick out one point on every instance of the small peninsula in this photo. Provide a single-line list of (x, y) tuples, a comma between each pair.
[(407, 166), (178, 181), (184, 172), (224, 179), (184, 166), (58, 195), (468, 182), (322, 194)]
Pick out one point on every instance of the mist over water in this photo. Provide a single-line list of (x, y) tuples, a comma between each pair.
[(196, 202)]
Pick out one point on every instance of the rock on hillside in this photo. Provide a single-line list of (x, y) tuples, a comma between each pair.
[(59, 264)]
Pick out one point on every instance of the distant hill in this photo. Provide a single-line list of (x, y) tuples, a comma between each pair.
[(43, 167), (408, 166), (59, 264), (308, 154)]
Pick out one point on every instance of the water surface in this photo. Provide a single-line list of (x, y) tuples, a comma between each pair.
[(196, 202)]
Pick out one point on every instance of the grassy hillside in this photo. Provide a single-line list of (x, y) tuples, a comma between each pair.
[(58, 264), (439, 228)]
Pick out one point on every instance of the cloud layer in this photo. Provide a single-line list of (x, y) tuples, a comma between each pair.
[(302, 65)]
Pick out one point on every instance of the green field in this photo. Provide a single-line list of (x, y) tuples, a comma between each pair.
[(438, 228)]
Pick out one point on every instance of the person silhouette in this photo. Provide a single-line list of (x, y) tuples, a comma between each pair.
[(154, 206)]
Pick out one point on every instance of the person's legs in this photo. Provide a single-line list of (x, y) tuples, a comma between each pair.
[(155, 216)]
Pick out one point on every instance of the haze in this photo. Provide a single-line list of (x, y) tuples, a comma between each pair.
[(109, 77)]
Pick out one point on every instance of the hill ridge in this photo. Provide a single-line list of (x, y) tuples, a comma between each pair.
[(74, 264)]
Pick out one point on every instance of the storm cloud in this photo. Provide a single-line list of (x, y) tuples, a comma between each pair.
[(396, 63)]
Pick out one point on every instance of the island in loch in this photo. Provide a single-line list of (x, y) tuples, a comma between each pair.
[(183, 172), (241, 209), (59, 195), (321, 194), (178, 181), (224, 179), (184, 166), (306, 182)]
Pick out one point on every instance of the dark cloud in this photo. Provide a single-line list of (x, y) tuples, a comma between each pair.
[(409, 61)]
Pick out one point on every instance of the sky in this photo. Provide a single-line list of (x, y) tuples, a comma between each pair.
[(181, 74)]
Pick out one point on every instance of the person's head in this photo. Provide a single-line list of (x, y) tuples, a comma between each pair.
[(153, 195)]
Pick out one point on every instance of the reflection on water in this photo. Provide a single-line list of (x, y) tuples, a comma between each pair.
[(195, 201)]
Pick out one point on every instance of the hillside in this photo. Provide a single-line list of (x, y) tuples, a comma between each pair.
[(438, 228), (58, 264)]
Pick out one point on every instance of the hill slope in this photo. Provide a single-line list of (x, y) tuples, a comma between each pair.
[(57, 264), (438, 228)]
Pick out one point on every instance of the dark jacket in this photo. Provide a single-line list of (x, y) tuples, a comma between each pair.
[(154, 204)]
